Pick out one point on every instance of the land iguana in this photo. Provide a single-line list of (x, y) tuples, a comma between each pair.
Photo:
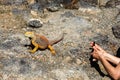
[(41, 42)]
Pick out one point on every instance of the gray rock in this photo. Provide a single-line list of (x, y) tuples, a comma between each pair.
[(21, 39), (118, 6), (13, 2), (116, 31), (102, 39), (68, 14), (35, 23), (102, 2), (15, 43), (113, 3), (52, 8), (36, 7), (118, 18)]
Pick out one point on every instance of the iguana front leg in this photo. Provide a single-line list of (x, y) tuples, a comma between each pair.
[(51, 49), (36, 47)]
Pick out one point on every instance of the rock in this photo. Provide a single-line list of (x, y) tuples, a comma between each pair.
[(13, 2), (54, 5), (36, 7), (69, 74), (118, 18), (113, 3), (67, 59), (91, 10), (68, 14), (35, 23), (31, 1), (116, 31), (78, 61), (105, 78), (102, 2), (52, 8), (70, 4), (16, 11), (21, 39), (9, 43), (40, 5), (118, 6), (15, 43), (102, 39)]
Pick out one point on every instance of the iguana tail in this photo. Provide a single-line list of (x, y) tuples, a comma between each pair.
[(57, 39)]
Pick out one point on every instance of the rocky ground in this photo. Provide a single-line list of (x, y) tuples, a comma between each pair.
[(72, 59)]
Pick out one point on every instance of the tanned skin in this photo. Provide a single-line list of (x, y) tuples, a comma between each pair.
[(40, 41), (105, 58)]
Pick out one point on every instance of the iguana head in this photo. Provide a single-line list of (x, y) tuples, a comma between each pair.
[(29, 34)]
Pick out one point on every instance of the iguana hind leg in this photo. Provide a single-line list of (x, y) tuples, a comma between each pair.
[(51, 49)]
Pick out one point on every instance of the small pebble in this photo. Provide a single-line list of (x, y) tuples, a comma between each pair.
[(78, 61), (35, 23), (67, 59), (53, 9)]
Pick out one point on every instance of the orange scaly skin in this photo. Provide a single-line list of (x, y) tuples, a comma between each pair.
[(40, 41)]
